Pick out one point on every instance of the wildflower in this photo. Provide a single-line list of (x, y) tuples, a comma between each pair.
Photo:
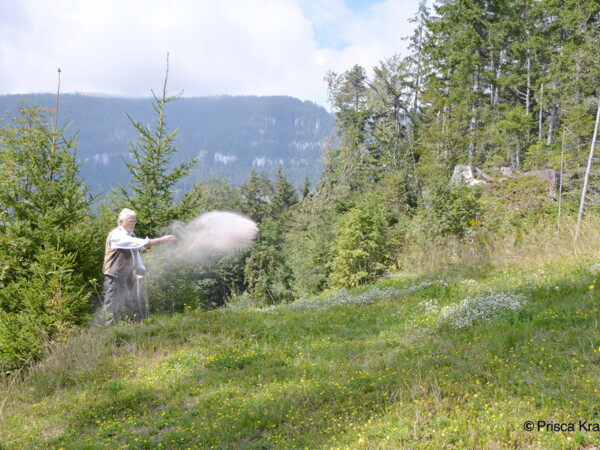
[(481, 307), (344, 298), (591, 286)]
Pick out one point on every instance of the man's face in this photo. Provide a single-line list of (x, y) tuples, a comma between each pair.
[(129, 223)]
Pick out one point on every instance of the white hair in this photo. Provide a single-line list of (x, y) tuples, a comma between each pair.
[(124, 214)]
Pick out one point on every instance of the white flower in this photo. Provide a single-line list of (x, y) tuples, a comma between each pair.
[(481, 307), (343, 298)]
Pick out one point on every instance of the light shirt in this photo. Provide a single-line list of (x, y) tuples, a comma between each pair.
[(122, 239)]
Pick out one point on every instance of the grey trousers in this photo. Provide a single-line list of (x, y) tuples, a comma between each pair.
[(123, 299)]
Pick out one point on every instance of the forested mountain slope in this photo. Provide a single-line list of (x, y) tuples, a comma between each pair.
[(231, 135)]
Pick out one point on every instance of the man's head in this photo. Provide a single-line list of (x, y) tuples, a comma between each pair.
[(127, 219)]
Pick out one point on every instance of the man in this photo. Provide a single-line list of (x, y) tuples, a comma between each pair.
[(123, 270)]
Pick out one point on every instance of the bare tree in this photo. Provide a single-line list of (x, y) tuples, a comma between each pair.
[(587, 172)]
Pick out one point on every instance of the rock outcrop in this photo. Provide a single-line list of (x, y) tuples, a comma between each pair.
[(470, 175), (473, 176)]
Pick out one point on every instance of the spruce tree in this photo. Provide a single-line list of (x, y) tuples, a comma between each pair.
[(153, 183), (284, 195), (47, 253), (306, 187), (418, 61), (348, 164), (256, 196)]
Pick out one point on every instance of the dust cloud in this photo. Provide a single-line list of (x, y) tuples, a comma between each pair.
[(207, 239)]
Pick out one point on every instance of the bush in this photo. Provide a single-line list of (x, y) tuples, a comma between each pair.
[(46, 306), (452, 210), (361, 248), (307, 246), (177, 288)]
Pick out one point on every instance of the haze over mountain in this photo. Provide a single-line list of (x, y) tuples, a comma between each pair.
[(230, 135)]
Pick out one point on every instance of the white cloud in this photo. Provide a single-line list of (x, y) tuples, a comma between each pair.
[(231, 47)]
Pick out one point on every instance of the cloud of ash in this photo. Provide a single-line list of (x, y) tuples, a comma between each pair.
[(207, 239)]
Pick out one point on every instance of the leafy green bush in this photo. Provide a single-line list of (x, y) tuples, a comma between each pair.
[(47, 305), (180, 288), (517, 204), (361, 248), (452, 210), (307, 245), (173, 290)]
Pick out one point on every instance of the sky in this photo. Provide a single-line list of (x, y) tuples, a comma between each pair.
[(214, 47)]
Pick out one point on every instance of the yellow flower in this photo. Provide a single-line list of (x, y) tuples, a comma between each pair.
[(591, 286)]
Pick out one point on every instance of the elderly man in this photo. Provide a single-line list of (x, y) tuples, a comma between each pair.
[(123, 270)]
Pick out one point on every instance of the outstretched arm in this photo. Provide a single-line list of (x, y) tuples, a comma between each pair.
[(160, 240)]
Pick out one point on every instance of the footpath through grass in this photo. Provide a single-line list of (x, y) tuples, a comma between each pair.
[(453, 360)]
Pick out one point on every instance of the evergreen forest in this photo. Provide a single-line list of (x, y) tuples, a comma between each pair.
[(479, 137)]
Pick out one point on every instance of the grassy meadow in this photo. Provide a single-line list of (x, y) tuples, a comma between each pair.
[(463, 356)]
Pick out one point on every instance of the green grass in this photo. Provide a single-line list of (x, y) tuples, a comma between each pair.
[(405, 363)]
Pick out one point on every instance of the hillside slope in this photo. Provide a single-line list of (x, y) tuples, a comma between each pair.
[(452, 360), (231, 135)]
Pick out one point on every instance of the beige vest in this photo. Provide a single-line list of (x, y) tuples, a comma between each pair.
[(118, 262)]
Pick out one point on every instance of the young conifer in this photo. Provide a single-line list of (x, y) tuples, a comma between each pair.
[(153, 183), (46, 254)]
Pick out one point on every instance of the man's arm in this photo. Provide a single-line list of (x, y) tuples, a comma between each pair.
[(160, 240), (119, 239)]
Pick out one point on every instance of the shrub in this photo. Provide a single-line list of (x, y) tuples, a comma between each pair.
[(46, 306), (361, 248), (452, 210), (177, 288)]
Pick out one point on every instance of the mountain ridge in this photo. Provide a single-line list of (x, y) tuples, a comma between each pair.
[(231, 135)]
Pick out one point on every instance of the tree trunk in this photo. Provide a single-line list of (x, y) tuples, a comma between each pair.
[(473, 121), (528, 90), (552, 124), (587, 172), (497, 73), (518, 154), (528, 100), (541, 115), (417, 89)]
